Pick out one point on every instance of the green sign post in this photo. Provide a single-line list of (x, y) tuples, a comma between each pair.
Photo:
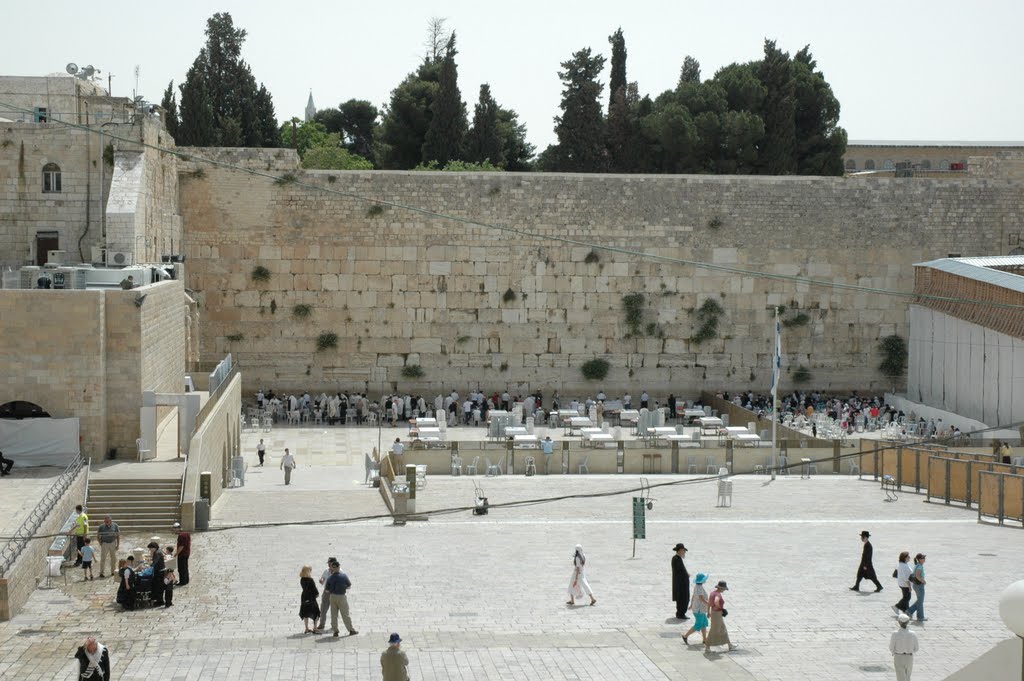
[(639, 521)]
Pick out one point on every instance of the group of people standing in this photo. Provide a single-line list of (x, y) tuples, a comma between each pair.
[(709, 610), (168, 567)]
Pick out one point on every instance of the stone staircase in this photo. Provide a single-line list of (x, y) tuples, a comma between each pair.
[(141, 505)]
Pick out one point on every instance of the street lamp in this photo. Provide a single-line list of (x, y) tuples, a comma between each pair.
[(1011, 609)]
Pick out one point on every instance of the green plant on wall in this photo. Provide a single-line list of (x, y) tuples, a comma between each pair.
[(235, 337), (894, 355), (413, 371), (595, 369), (633, 312), (799, 319), (375, 210), (302, 310), (802, 374), (592, 257), (260, 274), (708, 315), (509, 295), (326, 340), (287, 178)]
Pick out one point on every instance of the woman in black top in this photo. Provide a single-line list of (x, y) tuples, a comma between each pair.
[(309, 607)]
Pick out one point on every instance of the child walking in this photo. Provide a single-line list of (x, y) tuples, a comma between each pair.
[(170, 579), (86, 555)]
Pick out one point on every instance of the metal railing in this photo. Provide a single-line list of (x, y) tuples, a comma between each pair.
[(219, 375), (24, 534)]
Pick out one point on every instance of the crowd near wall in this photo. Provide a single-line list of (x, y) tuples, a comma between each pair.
[(91, 353), (472, 305)]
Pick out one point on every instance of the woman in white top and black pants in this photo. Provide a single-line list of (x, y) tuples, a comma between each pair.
[(902, 574)]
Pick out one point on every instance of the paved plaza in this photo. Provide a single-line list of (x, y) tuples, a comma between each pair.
[(484, 597)]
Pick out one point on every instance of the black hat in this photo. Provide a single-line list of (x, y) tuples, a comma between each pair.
[(865, 533), (680, 546), (152, 545), (722, 585)]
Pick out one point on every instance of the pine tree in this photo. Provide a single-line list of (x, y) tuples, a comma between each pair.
[(446, 135), (198, 127), (170, 106), (405, 121), (690, 72), (618, 77), (266, 119), (778, 157), (484, 143), (580, 128)]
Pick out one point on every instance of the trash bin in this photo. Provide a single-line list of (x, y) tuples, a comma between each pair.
[(202, 515), (53, 565), (238, 470), (401, 499)]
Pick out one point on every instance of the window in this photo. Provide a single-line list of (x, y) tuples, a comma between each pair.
[(926, 165), (40, 114), (869, 164), (851, 164), (944, 164), (888, 165), (51, 178)]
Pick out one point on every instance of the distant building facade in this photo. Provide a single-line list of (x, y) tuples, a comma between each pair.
[(881, 155)]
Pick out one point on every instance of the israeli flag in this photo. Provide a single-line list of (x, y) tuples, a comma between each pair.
[(777, 357)]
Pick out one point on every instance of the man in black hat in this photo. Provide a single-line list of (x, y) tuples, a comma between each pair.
[(680, 583), (866, 569)]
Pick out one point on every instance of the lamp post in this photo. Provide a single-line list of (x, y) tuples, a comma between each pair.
[(1011, 609)]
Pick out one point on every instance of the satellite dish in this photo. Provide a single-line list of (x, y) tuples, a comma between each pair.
[(88, 71), (71, 68)]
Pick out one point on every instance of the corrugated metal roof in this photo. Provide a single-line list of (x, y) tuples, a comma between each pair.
[(933, 143), (981, 269)]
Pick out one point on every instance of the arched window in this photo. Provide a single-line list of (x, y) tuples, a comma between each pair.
[(869, 164), (851, 164), (888, 165), (51, 178), (944, 164), (926, 165)]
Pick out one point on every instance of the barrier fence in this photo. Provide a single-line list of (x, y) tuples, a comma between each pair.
[(959, 480), (1001, 496)]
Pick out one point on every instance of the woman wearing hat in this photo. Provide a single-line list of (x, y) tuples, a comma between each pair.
[(699, 606), (719, 635)]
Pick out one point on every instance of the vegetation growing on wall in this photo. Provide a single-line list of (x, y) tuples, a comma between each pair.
[(302, 310), (595, 369), (509, 295), (894, 355), (326, 340), (235, 337), (633, 310), (799, 319), (413, 371), (802, 374), (708, 315), (260, 274)]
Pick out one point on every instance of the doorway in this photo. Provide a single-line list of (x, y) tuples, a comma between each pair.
[(45, 242)]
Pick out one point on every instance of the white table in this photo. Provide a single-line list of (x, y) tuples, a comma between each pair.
[(748, 439), (423, 421), (735, 430), (515, 431), (578, 422), (524, 441), (690, 415), (421, 433), (594, 438), (591, 431)]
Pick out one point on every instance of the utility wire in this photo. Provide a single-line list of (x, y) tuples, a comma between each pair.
[(291, 179)]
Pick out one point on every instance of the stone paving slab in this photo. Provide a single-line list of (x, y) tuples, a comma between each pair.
[(483, 597)]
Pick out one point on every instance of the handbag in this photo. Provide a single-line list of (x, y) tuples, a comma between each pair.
[(725, 613), (895, 573)]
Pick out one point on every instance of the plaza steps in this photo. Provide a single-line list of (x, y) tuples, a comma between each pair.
[(136, 505)]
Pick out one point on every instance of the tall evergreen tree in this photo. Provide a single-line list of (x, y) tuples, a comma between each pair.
[(198, 127), (778, 157), (484, 141), (580, 128), (403, 128), (515, 150), (625, 144), (820, 143), (169, 104), (240, 109), (266, 119), (446, 134), (359, 126), (690, 72), (618, 76)]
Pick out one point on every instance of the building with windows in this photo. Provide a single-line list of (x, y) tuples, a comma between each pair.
[(919, 156)]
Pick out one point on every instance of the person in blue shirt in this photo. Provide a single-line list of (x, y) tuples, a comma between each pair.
[(337, 585), (547, 445)]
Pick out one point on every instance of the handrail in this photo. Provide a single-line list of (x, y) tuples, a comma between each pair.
[(88, 475), (211, 401), (26, 532), (184, 474)]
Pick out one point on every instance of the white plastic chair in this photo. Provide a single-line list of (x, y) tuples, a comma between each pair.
[(583, 465), (293, 418), (712, 467), (471, 467), (531, 465), (492, 468), (691, 464), (456, 465), (142, 452)]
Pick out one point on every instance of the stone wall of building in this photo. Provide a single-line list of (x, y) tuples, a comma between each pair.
[(217, 439), (90, 354), (936, 156), (476, 305)]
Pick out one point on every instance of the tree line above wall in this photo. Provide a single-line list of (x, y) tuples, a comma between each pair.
[(774, 116)]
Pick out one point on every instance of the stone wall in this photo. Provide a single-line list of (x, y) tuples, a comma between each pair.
[(90, 354), (408, 288), (23, 578), (213, 444)]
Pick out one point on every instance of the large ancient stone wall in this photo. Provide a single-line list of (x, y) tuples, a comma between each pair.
[(403, 288)]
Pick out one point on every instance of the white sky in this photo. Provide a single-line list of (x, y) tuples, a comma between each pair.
[(912, 70)]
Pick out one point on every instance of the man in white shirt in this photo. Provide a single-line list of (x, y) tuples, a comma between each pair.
[(287, 464), (627, 401), (903, 645)]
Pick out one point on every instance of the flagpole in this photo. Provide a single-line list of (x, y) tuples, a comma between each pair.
[(776, 375)]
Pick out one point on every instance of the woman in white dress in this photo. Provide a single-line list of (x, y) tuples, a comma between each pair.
[(578, 585)]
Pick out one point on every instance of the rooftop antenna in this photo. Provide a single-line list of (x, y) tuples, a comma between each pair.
[(135, 92)]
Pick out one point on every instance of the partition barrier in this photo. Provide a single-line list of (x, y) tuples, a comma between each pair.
[(909, 464), (959, 480), (1001, 496)]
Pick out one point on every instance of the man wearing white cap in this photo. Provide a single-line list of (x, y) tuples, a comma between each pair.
[(394, 663), (903, 645)]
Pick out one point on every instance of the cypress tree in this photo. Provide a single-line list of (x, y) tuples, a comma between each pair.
[(484, 141), (778, 157), (197, 128), (618, 77), (169, 104), (580, 128), (446, 134)]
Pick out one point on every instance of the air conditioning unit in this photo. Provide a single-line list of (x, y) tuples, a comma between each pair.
[(98, 255), (57, 257), (120, 259), (29, 275)]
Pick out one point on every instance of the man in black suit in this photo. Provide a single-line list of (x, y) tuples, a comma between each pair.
[(866, 569), (5, 465), (680, 583)]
